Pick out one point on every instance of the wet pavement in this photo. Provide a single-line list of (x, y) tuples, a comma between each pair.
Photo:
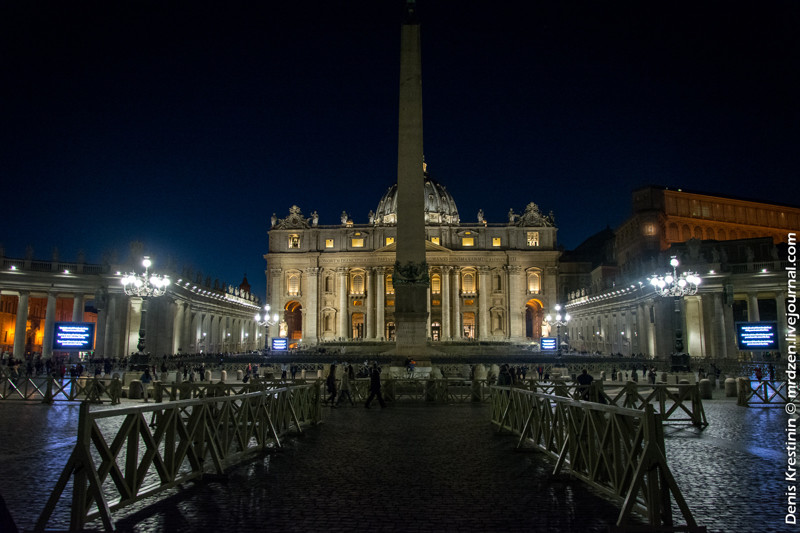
[(414, 467)]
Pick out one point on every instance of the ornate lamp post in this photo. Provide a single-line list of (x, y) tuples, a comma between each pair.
[(265, 320), (144, 286), (676, 286), (558, 321)]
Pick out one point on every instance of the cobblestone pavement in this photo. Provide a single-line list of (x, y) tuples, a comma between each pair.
[(415, 467)]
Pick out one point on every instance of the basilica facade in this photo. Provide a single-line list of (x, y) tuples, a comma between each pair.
[(489, 281)]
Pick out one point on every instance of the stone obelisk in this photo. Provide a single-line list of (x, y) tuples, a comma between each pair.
[(410, 278)]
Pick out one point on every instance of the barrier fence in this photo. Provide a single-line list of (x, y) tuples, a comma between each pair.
[(49, 389), (122, 457), (616, 450), (763, 393)]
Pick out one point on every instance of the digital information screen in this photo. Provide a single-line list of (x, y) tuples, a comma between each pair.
[(73, 336), (549, 344), (757, 336), (280, 344)]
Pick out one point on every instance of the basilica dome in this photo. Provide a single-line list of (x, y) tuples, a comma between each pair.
[(440, 208)]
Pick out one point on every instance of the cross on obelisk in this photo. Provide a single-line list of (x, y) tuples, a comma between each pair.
[(410, 278)]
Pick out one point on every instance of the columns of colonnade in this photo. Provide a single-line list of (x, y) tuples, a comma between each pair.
[(370, 315), (341, 287), (458, 332), (21, 327), (446, 318), (380, 295), (483, 302), (312, 307)]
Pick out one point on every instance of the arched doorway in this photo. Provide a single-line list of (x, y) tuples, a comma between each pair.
[(468, 321), (534, 314), (293, 316), (436, 331)]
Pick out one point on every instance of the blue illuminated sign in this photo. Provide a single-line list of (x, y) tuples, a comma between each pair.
[(757, 336), (73, 336), (280, 344), (549, 344)]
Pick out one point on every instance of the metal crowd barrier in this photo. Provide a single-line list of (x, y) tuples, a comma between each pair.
[(126, 454), (616, 450), (49, 389), (755, 393)]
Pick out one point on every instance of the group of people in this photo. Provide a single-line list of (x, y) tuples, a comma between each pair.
[(339, 390)]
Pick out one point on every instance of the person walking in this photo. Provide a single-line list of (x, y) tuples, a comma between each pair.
[(375, 386), (146, 379), (344, 389), (331, 384)]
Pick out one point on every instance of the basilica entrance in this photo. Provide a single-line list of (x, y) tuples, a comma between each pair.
[(294, 322), (358, 325), (534, 314)]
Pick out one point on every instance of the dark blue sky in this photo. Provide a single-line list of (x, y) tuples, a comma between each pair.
[(185, 125)]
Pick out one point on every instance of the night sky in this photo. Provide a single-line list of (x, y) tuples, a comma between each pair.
[(185, 125)]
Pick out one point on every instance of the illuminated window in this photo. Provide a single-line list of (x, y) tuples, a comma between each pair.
[(357, 284), (533, 238), (649, 229), (389, 240), (436, 284), (496, 242), (357, 243), (389, 286), (436, 303), (294, 284), (435, 240), (534, 282), (294, 240), (328, 243), (467, 241), (389, 303), (468, 283)]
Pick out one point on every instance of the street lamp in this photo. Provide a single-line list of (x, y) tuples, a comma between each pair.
[(558, 321), (144, 286), (676, 286), (265, 320)]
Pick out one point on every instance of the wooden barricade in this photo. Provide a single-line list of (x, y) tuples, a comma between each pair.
[(669, 401), (616, 450), (126, 454), (764, 393), (49, 390)]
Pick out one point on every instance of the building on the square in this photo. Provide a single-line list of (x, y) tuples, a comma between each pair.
[(489, 281), (738, 247), (195, 315)]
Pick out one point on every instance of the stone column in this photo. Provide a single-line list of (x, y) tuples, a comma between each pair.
[(370, 315), (101, 301), (312, 311), (516, 305), (380, 306), (458, 331), (21, 328), (49, 325), (629, 329), (111, 341), (752, 308), (780, 303), (483, 302), (428, 299), (719, 345), (343, 312), (446, 297), (134, 322), (77, 308)]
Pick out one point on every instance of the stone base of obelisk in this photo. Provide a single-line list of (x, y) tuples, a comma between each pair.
[(412, 336)]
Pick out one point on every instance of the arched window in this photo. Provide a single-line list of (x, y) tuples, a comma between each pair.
[(534, 282), (468, 283), (436, 284), (357, 284)]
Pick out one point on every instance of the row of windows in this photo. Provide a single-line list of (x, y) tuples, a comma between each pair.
[(468, 283), (467, 241), (729, 213)]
